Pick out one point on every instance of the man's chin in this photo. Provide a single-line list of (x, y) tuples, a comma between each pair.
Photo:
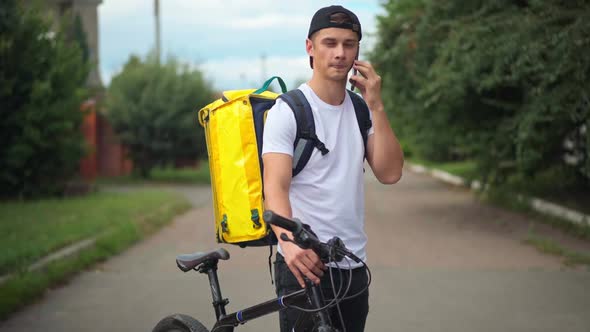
[(339, 78)]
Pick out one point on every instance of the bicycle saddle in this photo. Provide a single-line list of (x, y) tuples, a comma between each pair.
[(188, 262)]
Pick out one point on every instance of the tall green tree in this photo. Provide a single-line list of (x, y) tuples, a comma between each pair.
[(153, 110), (41, 89), (80, 37), (504, 82)]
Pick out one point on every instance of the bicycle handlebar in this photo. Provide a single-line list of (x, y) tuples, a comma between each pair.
[(305, 238), (294, 226)]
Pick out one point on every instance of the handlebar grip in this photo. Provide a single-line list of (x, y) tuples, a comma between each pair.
[(278, 220)]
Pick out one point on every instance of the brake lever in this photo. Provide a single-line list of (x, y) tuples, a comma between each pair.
[(285, 238), (301, 243)]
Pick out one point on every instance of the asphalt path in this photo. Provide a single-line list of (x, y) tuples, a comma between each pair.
[(440, 259)]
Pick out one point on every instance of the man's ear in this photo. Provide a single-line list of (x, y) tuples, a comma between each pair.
[(309, 47)]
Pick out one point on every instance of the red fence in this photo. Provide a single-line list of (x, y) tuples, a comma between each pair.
[(106, 156)]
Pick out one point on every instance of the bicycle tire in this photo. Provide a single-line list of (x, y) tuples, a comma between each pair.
[(179, 323)]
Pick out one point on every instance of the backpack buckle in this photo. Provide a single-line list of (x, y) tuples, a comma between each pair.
[(319, 144), (255, 218), (224, 227)]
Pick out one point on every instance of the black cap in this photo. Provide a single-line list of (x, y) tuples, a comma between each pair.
[(321, 20)]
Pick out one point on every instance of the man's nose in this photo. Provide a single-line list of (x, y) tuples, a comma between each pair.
[(339, 51)]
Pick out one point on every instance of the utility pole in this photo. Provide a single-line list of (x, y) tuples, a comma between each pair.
[(157, 16), (263, 67)]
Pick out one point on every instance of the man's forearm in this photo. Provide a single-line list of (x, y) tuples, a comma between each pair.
[(384, 152), (278, 202), (387, 155)]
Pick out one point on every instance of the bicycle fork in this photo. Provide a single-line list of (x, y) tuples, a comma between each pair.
[(323, 322)]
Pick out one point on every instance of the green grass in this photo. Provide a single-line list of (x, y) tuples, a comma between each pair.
[(31, 230), (465, 169), (183, 175), (169, 175), (548, 246)]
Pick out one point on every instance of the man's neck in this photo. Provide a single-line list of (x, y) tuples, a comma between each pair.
[(330, 92)]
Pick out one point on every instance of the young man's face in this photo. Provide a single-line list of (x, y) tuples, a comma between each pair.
[(333, 51)]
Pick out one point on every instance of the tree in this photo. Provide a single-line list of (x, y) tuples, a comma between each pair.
[(79, 36), (41, 89), (152, 108), (502, 82)]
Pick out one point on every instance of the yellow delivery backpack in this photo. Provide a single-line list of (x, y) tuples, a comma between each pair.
[(233, 130), (234, 127)]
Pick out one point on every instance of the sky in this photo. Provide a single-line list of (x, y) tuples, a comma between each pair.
[(235, 43)]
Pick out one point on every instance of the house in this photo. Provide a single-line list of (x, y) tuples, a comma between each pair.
[(88, 12)]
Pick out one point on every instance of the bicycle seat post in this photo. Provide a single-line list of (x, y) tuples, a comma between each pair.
[(219, 303)]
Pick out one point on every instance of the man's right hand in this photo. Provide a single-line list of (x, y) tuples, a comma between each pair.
[(302, 262)]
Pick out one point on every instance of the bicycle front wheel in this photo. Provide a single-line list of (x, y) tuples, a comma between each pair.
[(179, 323)]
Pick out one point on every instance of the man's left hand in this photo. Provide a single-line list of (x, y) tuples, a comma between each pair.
[(369, 84)]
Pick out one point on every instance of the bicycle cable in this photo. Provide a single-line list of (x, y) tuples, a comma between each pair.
[(337, 297), (369, 277), (348, 289), (330, 304)]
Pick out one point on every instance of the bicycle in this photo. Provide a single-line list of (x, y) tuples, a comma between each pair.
[(309, 300)]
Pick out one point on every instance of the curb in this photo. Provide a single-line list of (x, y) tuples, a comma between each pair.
[(64, 252), (536, 204), (67, 251)]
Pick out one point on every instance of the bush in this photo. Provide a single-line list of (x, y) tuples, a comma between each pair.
[(152, 108)]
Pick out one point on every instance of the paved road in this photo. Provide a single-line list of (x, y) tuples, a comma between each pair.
[(441, 261)]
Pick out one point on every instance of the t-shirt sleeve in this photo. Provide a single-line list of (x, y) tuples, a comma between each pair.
[(279, 129), (372, 129)]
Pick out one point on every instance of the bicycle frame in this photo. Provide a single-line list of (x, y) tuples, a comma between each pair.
[(311, 294)]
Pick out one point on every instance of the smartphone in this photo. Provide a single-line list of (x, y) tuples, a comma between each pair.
[(354, 71)]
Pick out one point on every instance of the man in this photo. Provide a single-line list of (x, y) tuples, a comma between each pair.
[(328, 194)]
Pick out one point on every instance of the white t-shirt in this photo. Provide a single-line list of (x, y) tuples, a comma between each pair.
[(328, 194)]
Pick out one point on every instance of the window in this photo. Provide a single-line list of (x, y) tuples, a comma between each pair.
[(65, 6)]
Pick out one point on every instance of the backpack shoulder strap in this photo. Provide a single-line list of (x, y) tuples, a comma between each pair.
[(363, 118), (305, 139)]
